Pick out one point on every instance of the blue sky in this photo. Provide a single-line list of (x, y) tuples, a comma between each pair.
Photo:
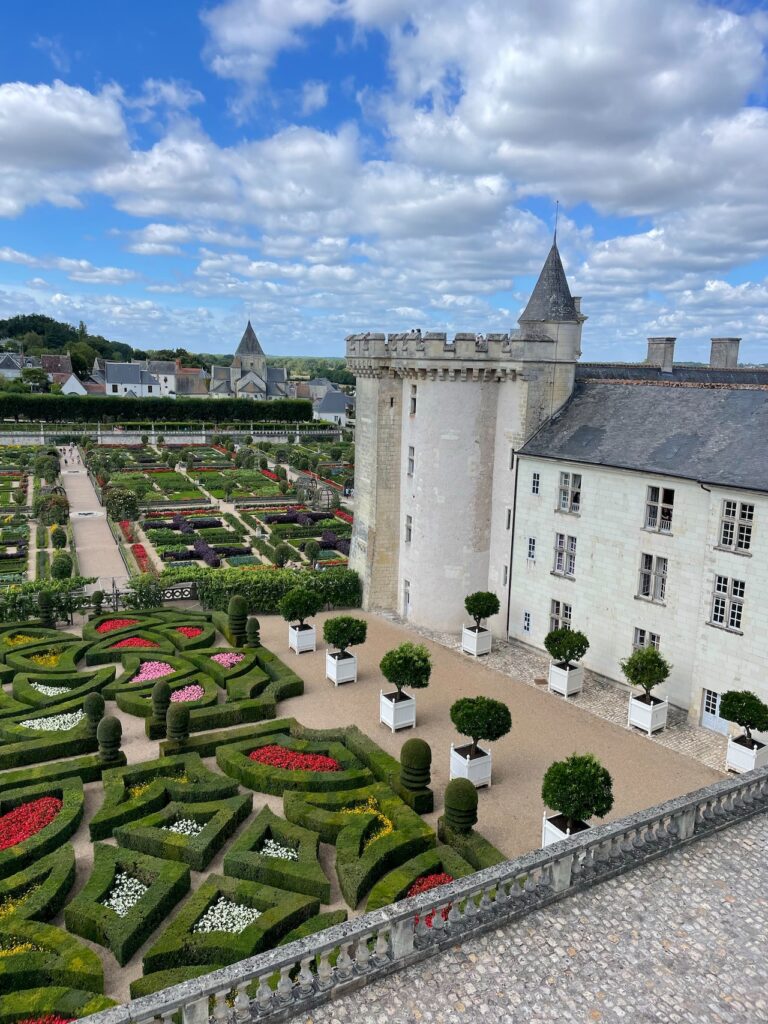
[(169, 170)]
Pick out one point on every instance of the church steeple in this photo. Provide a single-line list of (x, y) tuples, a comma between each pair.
[(249, 343), (551, 300), (250, 355)]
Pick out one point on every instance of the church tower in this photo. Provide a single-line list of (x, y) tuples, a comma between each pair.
[(438, 424), (250, 355)]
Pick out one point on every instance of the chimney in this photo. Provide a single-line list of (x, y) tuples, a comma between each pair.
[(576, 303), (724, 354), (661, 353)]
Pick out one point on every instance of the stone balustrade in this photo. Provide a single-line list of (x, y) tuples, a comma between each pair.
[(291, 979)]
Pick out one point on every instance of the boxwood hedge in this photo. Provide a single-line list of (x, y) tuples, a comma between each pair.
[(103, 652), (39, 891), (89, 768), (87, 916), (137, 700), (131, 663), (395, 885), (65, 824), (45, 954), (72, 684), (69, 652), (57, 1000), (206, 744), (234, 760), (471, 846)]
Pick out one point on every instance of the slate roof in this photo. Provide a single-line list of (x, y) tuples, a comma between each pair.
[(712, 434), (334, 402), (160, 366), (128, 373), (249, 343), (680, 372), (56, 363), (551, 300), (195, 383)]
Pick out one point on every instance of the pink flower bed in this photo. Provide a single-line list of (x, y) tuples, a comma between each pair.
[(151, 670), (110, 625), (227, 659), (192, 692), (189, 631)]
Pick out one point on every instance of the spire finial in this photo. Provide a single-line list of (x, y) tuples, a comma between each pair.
[(557, 213)]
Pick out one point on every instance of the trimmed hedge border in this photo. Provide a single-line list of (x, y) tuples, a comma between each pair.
[(137, 702), (395, 885), (45, 883), (471, 846), (88, 917), (178, 946), (64, 1002), (151, 983), (50, 838), (221, 820), (78, 685), (208, 743), (118, 808), (88, 768), (102, 653), (304, 875), (183, 670), (71, 653), (59, 959), (264, 778)]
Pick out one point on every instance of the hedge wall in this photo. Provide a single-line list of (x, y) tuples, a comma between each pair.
[(74, 684), (88, 768), (263, 589), (395, 885), (34, 1003), (234, 761), (471, 846), (87, 916), (55, 959), (207, 743), (40, 890)]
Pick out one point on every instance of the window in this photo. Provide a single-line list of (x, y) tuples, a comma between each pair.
[(526, 622), (736, 525), (645, 638), (406, 597), (570, 492), (505, 579), (532, 548), (413, 399), (508, 519), (149, 389), (408, 529), (565, 555), (114, 389), (728, 602), (535, 481), (658, 509), (653, 578), (411, 459), (559, 615)]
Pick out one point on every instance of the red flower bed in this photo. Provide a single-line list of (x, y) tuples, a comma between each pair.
[(425, 884), (27, 820), (279, 757), (134, 641), (189, 631), (345, 516), (126, 528), (269, 474), (142, 558), (157, 514), (48, 1018), (110, 625)]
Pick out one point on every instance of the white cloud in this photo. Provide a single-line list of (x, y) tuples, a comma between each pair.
[(54, 48), (314, 96), (75, 269)]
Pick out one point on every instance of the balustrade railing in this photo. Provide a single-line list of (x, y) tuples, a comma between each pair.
[(291, 979)]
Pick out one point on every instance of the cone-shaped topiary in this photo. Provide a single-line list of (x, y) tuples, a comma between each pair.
[(460, 805), (97, 600), (237, 610), (253, 632), (109, 734), (161, 699), (415, 764), (93, 706), (45, 607), (177, 723)]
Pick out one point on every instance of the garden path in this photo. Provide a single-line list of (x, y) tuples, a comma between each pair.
[(97, 551)]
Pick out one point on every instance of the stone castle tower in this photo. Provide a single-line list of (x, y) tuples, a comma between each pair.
[(250, 355), (438, 423)]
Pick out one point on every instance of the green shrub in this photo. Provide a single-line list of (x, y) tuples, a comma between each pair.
[(206, 744), (45, 607), (161, 699), (481, 605), (395, 885), (415, 764), (122, 504), (745, 709), (58, 538), (481, 718), (407, 665), (579, 788), (88, 768), (253, 632), (177, 723), (53, 1000), (345, 631), (645, 668), (566, 645), (93, 706), (109, 733), (39, 891), (238, 616), (148, 984), (312, 550), (470, 845), (87, 916), (460, 805), (71, 684), (54, 959), (233, 759), (61, 566), (299, 604)]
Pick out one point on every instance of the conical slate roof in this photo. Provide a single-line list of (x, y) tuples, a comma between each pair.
[(249, 343), (551, 300)]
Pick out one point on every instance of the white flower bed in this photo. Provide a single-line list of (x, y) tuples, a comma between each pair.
[(55, 723), (271, 848), (49, 691), (184, 827), (226, 916), (124, 894)]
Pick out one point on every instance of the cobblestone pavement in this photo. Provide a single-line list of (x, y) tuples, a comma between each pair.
[(603, 697), (680, 941)]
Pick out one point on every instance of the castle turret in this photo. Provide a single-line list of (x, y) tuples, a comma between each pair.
[(438, 423)]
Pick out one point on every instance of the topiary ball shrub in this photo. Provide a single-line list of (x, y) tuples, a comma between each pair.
[(61, 566), (460, 805), (177, 723), (566, 645), (45, 607), (253, 632), (407, 665), (59, 538), (579, 788), (481, 718), (415, 764), (345, 631), (237, 611), (93, 706), (481, 605), (299, 604), (97, 600), (109, 733), (747, 710), (311, 550)]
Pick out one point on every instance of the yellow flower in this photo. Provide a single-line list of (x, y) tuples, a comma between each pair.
[(384, 826), (11, 904), (14, 948), (20, 638), (45, 660)]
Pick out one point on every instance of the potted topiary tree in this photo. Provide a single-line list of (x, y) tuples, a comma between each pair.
[(477, 639), (480, 718), (406, 665), (647, 669), (576, 788), (343, 631), (747, 710), (564, 646), (296, 606)]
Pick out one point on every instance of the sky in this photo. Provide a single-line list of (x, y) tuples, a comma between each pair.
[(170, 169)]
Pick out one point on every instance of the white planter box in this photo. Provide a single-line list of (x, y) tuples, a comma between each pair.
[(302, 640), (400, 715), (566, 681), (477, 770), (741, 759), (340, 670), (552, 833), (648, 717), (476, 643)]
